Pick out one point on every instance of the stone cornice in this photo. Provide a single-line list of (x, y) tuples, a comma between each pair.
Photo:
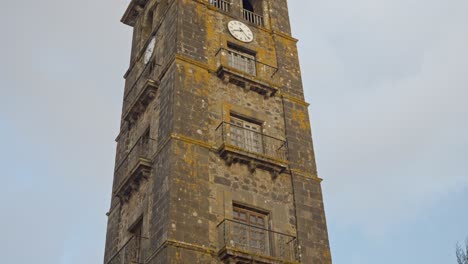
[(284, 35), (303, 174), (294, 99), (193, 141), (184, 245), (133, 11), (186, 59)]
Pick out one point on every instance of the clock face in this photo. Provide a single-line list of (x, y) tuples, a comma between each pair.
[(150, 50), (240, 31)]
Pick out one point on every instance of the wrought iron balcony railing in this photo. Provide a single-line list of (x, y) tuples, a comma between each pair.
[(239, 144), (246, 71), (130, 253), (133, 166), (245, 63), (252, 17), (222, 5), (240, 241), (251, 141)]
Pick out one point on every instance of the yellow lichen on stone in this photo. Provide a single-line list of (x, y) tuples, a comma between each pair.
[(301, 118)]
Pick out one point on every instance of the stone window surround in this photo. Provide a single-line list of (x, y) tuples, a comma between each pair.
[(271, 163), (276, 215), (247, 114), (260, 79), (252, 209)]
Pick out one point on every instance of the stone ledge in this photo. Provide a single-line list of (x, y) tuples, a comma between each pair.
[(228, 254), (232, 154), (246, 81), (141, 100), (141, 171), (133, 11), (295, 100)]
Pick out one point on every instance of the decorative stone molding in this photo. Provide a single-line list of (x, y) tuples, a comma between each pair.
[(232, 154), (246, 81), (132, 183), (140, 100), (133, 11)]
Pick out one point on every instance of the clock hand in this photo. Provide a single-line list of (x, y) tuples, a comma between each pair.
[(245, 34)]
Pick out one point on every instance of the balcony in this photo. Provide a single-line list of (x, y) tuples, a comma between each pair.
[(133, 11), (133, 168), (246, 71), (222, 5), (241, 145), (140, 94), (130, 253), (252, 17), (242, 243)]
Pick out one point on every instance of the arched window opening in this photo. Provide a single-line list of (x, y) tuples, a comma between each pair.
[(252, 11), (247, 5)]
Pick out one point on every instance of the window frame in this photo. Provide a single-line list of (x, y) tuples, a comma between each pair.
[(243, 134), (253, 232), (242, 59)]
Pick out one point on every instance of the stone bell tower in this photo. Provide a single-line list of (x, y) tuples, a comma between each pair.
[(215, 162)]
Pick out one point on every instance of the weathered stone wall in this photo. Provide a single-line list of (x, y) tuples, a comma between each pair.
[(290, 74), (112, 235), (159, 257), (191, 30), (280, 16), (301, 152), (190, 207), (159, 218), (157, 117), (311, 222), (235, 184)]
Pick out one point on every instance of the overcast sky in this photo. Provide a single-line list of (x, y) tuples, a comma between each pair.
[(388, 85)]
